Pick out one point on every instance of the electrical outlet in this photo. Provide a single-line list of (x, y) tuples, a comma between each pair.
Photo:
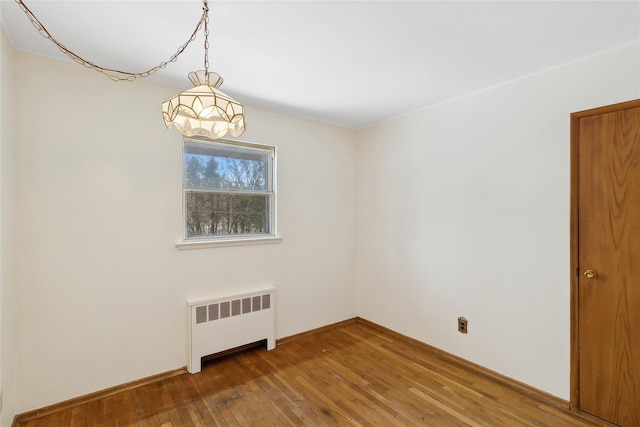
[(462, 325)]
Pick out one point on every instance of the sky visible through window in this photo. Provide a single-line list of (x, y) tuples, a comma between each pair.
[(228, 173), (225, 195)]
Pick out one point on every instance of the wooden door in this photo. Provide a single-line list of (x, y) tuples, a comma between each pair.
[(606, 263)]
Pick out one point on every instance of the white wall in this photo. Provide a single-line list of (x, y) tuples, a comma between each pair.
[(101, 287), (463, 210), (2, 280), (8, 332)]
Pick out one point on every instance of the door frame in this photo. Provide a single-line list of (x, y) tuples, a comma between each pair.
[(574, 395)]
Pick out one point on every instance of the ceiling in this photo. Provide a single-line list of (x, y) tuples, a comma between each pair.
[(351, 63)]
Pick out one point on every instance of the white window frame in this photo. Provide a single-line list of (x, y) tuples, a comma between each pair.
[(234, 239)]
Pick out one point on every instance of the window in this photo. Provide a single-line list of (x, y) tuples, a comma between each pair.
[(228, 190)]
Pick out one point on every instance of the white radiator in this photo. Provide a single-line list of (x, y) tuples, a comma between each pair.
[(230, 321)]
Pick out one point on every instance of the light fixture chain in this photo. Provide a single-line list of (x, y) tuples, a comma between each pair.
[(116, 75), (205, 15)]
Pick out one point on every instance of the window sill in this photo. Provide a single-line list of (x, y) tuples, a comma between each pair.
[(248, 241)]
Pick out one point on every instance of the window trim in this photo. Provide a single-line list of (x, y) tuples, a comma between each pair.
[(244, 241), (239, 239)]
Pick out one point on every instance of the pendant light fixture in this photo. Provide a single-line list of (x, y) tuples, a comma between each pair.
[(201, 111), (204, 110)]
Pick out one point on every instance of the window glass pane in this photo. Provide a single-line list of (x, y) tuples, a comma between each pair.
[(214, 167), (211, 214)]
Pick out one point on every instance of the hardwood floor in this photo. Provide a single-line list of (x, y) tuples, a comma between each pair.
[(351, 374)]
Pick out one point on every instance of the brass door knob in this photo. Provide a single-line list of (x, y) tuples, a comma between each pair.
[(590, 274)]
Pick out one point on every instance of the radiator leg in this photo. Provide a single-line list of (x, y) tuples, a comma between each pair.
[(271, 343), (195, 366)]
